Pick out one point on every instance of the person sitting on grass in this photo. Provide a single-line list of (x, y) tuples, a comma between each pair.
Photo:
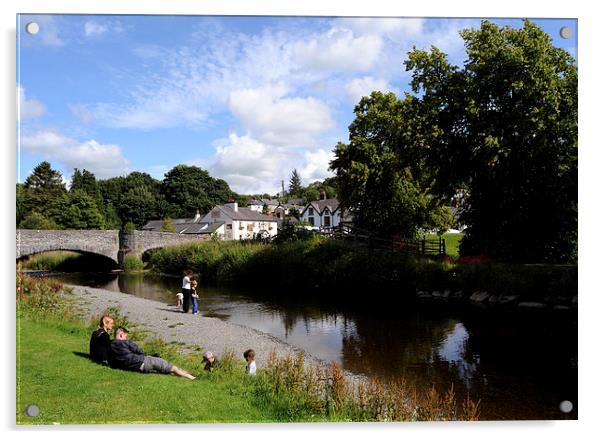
[(125, 354), (210, 361), (101, 340), (249, 355)]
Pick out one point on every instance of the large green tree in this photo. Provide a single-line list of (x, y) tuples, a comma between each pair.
[(504, 125), (190, 188), (381, 173), (42, 188), (76, 210)]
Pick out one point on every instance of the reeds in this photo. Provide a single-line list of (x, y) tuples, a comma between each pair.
[(329, 393)]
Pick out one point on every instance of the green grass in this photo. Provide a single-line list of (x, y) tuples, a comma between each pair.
[(452, 242), (54, 374)]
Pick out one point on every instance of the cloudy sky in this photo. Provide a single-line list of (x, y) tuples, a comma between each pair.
[(247, 98)]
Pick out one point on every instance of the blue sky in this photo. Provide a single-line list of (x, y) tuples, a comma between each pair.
[(247, 98)]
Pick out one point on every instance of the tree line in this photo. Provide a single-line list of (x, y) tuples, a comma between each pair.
[(497, 136), (44, 202)]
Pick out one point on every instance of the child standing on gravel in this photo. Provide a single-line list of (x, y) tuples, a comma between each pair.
[(249, 355), (195, 297)]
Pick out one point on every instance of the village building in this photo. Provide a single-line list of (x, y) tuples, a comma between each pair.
[(241, 222), (188, 226), (324, 213)]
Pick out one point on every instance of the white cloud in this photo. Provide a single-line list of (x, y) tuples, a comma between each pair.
[(338, 49), (250, 166), (95, 28), (397, 29), (92, 28), (359, 87), (29, 108), (273, 118), (316, 165), (102, 160)]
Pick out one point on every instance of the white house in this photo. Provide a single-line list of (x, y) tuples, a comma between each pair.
[(241, 222), (323, 213)]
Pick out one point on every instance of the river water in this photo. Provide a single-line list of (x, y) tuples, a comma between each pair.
[(520, 365)]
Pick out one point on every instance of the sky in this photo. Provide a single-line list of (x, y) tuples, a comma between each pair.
[(248, 98)]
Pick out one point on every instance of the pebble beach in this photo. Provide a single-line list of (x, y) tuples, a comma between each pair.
[(169, 323)]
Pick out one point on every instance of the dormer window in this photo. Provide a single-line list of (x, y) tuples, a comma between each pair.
[(310, 211)]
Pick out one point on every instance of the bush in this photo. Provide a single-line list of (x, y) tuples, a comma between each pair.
[(133, 263)]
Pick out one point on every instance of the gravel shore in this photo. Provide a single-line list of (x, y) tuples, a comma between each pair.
[(169, 323)]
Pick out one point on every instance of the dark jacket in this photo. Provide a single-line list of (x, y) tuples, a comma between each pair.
[(125, 354), (99, 345)]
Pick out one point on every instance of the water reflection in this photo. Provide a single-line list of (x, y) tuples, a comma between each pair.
[(519, 366)]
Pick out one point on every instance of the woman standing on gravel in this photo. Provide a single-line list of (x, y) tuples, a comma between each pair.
[(186, 291)]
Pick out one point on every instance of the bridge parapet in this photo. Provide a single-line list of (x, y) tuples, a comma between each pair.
[(140, 241), (103, 242), (113, 244)]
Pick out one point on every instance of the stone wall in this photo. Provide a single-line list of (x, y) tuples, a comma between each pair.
[(139, 241), (113, 244), (103, 242)]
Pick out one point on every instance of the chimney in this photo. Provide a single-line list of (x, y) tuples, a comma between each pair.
[(232, 205), (322, 195), (197, 216)]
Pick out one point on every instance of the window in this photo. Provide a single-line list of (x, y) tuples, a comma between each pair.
[(311, 220), (250, 227), (228, 226), (310, 211), (326, 221)]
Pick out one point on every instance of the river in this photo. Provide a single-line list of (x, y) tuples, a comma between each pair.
[(520, 365)]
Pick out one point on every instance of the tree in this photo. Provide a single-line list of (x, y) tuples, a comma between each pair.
[(37, 221), (188, 188), (381, 173), (294, 187), (21, 209), (505, 126), (86, 182), (42, 188), (77, 210), (137, 206), (168, 226)]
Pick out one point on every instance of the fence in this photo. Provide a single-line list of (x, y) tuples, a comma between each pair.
[(363, 238)]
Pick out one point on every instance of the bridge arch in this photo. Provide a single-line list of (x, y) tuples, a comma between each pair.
[(100, 242), (113, 244)]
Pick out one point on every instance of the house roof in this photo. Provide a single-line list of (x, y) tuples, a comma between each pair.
[(185, 226), (245, 214), (320, 205)]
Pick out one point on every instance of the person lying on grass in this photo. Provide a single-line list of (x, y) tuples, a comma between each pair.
[(125, 354)]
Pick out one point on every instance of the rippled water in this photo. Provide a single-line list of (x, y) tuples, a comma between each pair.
[(521, 365)]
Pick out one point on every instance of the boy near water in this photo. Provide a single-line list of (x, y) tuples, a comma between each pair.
[(249, 355)]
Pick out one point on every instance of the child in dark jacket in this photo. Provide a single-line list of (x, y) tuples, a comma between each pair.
[(101, 340)]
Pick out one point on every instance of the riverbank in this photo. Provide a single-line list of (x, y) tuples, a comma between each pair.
[(54, 323), (329, 268), (191, 332)]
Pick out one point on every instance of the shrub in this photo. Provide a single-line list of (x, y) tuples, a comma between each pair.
[(132, 263)]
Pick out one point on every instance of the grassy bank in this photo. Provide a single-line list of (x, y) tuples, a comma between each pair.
[(54, 373), (336, 268)]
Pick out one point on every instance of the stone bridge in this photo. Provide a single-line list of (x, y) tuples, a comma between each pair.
[(113, 244)]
